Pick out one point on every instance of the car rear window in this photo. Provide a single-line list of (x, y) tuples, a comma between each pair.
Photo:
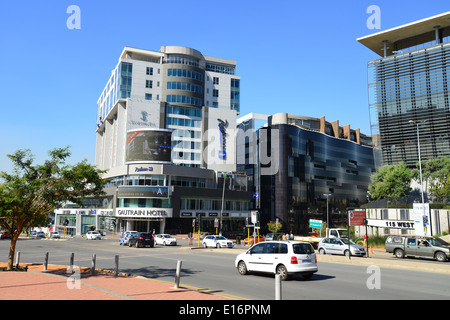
[(302, 248)]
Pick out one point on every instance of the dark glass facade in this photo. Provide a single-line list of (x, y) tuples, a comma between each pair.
[(412, 86), (308, 165)]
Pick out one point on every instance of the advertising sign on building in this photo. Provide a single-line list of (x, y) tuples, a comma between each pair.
[(143, 192), (148, 146)]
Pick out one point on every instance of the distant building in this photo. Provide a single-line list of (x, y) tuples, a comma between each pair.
[(410, 82), (296, 162)]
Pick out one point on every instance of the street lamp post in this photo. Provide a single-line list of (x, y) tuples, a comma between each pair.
[(327, 195), (420, 167), (224, 175)]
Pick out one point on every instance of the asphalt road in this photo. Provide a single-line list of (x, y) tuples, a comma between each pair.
[(213, 270)]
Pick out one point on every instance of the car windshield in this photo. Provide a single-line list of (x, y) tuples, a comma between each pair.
[(302, 248), (167, 236), (346, 241), (434, 242), (221, 238)]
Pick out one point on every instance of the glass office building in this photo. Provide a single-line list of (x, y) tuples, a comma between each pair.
[(409, 88), (295, 162)]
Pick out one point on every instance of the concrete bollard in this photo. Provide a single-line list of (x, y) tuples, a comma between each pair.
[(178, 274), (72, 255), (94, 258), (116, 269), (46, 261), (277, 287), (17, 259)]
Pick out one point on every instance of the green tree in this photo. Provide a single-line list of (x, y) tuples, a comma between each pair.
[(31, 192), (391, 182), (438, 171), (274, 227)]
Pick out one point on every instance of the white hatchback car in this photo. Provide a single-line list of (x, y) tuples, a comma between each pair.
[(92, 235), (165, 239), (217, 242), (279, 257)]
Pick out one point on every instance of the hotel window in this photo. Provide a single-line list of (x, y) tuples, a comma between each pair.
[(148, 83), (148, 96), (215, 80), (149, 71), (215, 93)]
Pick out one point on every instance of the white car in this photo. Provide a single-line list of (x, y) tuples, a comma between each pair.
[(55, 234), (340, 246), (165, 239), (279, 257), (92, 235), (217, 242)]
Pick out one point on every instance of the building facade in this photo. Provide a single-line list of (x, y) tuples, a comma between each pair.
[(165, 133), (296, 163), (409, 88)]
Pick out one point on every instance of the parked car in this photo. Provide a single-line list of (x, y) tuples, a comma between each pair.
[(340, 246), (217, 242), (54, 234), (279, 257), (250, 240), (93, 235), (165, 240), (125, 237), (141, 239), (5, 235), (411, 246), (273, 236), (40, 234)]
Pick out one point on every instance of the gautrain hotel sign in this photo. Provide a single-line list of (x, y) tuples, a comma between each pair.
[(144, 212), (143, 192)]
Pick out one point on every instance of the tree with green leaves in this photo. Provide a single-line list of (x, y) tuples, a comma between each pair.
[(436, 173), (274, 227), (391, 182), (32, 191)]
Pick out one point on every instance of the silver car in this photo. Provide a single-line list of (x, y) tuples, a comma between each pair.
[(340, 246)]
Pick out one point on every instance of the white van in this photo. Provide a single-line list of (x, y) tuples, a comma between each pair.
[(279, 257)]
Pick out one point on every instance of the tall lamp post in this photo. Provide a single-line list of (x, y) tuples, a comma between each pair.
[(420, 166), (327, 195), (224, 176)]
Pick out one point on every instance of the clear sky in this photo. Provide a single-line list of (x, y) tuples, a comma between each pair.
[(293, 56)]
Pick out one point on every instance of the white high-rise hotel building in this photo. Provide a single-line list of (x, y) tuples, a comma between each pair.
[(166, 125), (166, 89)]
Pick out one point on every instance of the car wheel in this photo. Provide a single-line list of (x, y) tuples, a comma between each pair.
[(282, 271), (242, 268), (440, 256), (218, 245), (322, 251), (137, 244), (399, 253), (129, 244), (164, 244), (204, 245), (346, 253)]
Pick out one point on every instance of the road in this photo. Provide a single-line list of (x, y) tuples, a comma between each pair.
[(213, 270)]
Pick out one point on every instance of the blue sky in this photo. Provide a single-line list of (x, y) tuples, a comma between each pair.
[(293, 56)]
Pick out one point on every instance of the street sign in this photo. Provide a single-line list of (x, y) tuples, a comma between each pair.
[(254, 216), (315, 224), (356, 217)]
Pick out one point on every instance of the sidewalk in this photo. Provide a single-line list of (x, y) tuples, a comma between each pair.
[(56, 284)]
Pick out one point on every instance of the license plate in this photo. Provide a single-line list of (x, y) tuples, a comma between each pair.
[(306, 261)]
